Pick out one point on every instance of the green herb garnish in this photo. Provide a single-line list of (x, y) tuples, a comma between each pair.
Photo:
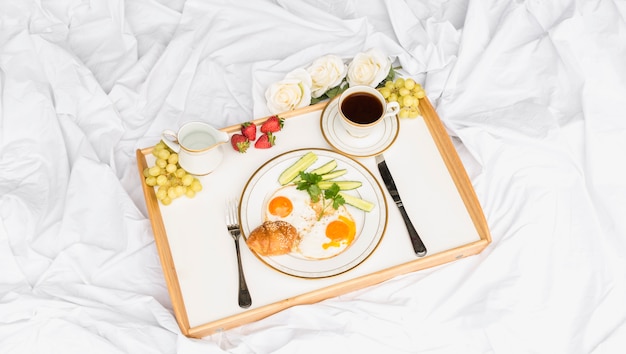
[(331, 197), (308, 182), (332, 194)]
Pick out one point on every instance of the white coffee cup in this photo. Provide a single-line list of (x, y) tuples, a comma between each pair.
[(198, 145), (362, 108)]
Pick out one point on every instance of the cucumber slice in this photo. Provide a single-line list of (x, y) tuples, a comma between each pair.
[(292, 171), (333, 174), (357, 202), (325, 168), (343, 185), (322, 170)]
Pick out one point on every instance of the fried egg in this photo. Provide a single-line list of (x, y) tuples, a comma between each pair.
[(329, 236), (293, 206), (322, 236)]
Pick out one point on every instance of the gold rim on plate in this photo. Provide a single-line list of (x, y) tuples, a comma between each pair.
[(371, 225)]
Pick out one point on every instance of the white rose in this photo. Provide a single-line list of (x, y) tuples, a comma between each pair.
[(294, 91), (369, 68), (326, 72)]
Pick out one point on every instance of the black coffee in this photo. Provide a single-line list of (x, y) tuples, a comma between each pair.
[(362, 108)]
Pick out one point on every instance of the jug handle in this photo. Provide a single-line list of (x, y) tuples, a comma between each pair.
[(170, 138)]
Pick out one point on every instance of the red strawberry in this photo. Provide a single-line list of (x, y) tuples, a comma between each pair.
[(272, 124), (265, 141), (248, 129), (240, 143)]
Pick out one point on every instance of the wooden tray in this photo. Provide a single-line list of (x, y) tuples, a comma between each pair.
[(198, 257)]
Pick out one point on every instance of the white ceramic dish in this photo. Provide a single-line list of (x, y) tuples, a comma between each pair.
[(375, 143), (370, 225)]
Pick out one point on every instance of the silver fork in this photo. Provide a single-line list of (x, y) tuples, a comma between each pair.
[(232, 223)]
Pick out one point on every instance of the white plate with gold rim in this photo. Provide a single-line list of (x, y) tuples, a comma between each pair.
[(373, 144), (370, 225)]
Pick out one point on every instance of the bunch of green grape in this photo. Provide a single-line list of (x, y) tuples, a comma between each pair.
[(168, 177), (407, 93)]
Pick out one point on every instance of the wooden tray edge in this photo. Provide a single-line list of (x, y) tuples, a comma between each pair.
[(163, 246), (338, 289), (456, 170)]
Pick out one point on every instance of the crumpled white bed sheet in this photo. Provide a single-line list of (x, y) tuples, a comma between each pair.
[(532, 93)]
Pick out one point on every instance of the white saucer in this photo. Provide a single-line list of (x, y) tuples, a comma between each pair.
[(373, 144)]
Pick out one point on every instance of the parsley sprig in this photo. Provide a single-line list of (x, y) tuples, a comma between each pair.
[(330, 197)]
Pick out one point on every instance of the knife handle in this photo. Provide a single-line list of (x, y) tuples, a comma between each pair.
[(418, 245)]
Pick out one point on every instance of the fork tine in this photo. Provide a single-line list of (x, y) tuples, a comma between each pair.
[(229, 214), (233, 210)]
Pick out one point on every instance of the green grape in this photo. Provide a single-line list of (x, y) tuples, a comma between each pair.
[(386, 92), (409, 84), (154, 171), (161, 163), (164, 154), (407, 93), (400, 101), (417, 99), (408, 101), (151, 181), (179, 190), (170, 180), (180, 173), (196, 186), (170, 168), (404, 91), (161, 180), (173, 158), (171, 192), (166, 201), (161, 193), (187, 180), (173, 181)]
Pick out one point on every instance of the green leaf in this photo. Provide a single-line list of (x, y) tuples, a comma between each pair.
[(331, 192), (390, 76), (332, 92), (314, 191), (338, 201), (337, 89), (308, 183), (315, 100)]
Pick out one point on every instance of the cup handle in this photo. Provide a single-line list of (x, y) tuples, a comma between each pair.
[(393, 108), (170, 138)]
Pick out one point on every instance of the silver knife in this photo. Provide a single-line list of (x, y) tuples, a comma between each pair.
[(418, 245)]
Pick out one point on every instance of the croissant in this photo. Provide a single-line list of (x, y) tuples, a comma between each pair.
[(273, 238)]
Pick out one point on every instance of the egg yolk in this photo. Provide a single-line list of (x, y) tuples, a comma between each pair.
[(280, 206), (342, 229)]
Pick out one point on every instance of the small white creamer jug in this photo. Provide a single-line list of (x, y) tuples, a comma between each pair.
[(199, 146)]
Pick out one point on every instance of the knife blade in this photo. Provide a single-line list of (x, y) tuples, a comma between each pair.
[(416, 241)]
